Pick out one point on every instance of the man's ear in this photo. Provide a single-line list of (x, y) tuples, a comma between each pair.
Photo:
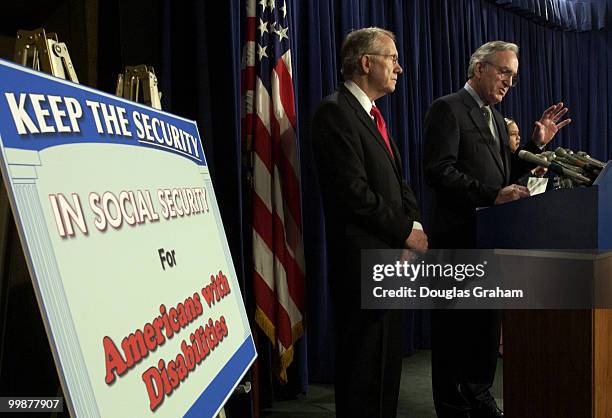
[(365, 64), (480, 67)]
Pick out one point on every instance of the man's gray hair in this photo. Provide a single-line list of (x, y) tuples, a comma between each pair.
[(358, 43), (486, 52)]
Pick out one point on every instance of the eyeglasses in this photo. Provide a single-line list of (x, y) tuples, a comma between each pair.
[(394, 57), (505, 73)]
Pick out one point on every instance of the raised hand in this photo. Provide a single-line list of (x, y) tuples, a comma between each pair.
[(547, 127)]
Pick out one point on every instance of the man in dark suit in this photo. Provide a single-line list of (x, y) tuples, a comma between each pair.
[(367, 206), (468, 165)]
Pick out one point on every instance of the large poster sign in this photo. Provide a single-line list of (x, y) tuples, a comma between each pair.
[(125, 245)]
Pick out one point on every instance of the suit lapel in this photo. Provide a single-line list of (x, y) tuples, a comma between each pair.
[(366, 120), (503, 143), (481, 123)]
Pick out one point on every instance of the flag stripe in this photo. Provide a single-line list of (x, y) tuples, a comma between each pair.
[(262, 104), (271, 230), (290, 182), (265, 295), (289, 265), (251, 28), (251, 8), (263, 148), (265, 152), (263, 196), (281, 319), (265, 263), (248, 81), (286, 90), (262, 221), (290, 187)]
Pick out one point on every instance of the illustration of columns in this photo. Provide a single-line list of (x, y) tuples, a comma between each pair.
[(22, 174)]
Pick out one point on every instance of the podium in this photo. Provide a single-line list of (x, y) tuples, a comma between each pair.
[(557, 363)]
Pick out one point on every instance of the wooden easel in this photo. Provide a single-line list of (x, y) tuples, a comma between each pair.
[(139, 84)]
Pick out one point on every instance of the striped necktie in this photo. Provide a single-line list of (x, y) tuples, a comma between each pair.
[(488, 114)]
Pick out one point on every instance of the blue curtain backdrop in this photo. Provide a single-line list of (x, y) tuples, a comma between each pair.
[(566, 54)]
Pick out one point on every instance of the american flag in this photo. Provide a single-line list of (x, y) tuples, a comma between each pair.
[(270, 129)]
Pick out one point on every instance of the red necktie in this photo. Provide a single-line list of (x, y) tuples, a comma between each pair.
[(382, 127)]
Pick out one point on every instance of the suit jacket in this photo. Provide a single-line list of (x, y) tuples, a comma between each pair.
[(464, 167), (367, 203)]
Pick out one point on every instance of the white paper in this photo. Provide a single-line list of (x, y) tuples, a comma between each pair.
[(537, 185)]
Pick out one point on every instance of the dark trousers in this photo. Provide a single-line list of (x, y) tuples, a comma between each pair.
[(464, 349), (368, 363)]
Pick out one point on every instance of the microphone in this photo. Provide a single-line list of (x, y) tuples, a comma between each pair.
[(584, 165), (553, 166), (593, 161), (547, 155), (533, 159), (570, 165), (570, 157), (583, 156)]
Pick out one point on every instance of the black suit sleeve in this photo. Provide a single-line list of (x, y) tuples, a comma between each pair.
[(410, 203), (441, 156), (341, 158), (520, 168), (408, 198)]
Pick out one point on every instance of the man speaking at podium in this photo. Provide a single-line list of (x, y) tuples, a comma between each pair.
[(367, 205), (468, 165)]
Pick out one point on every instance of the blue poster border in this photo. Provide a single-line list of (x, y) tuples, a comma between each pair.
[(212, 399)]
